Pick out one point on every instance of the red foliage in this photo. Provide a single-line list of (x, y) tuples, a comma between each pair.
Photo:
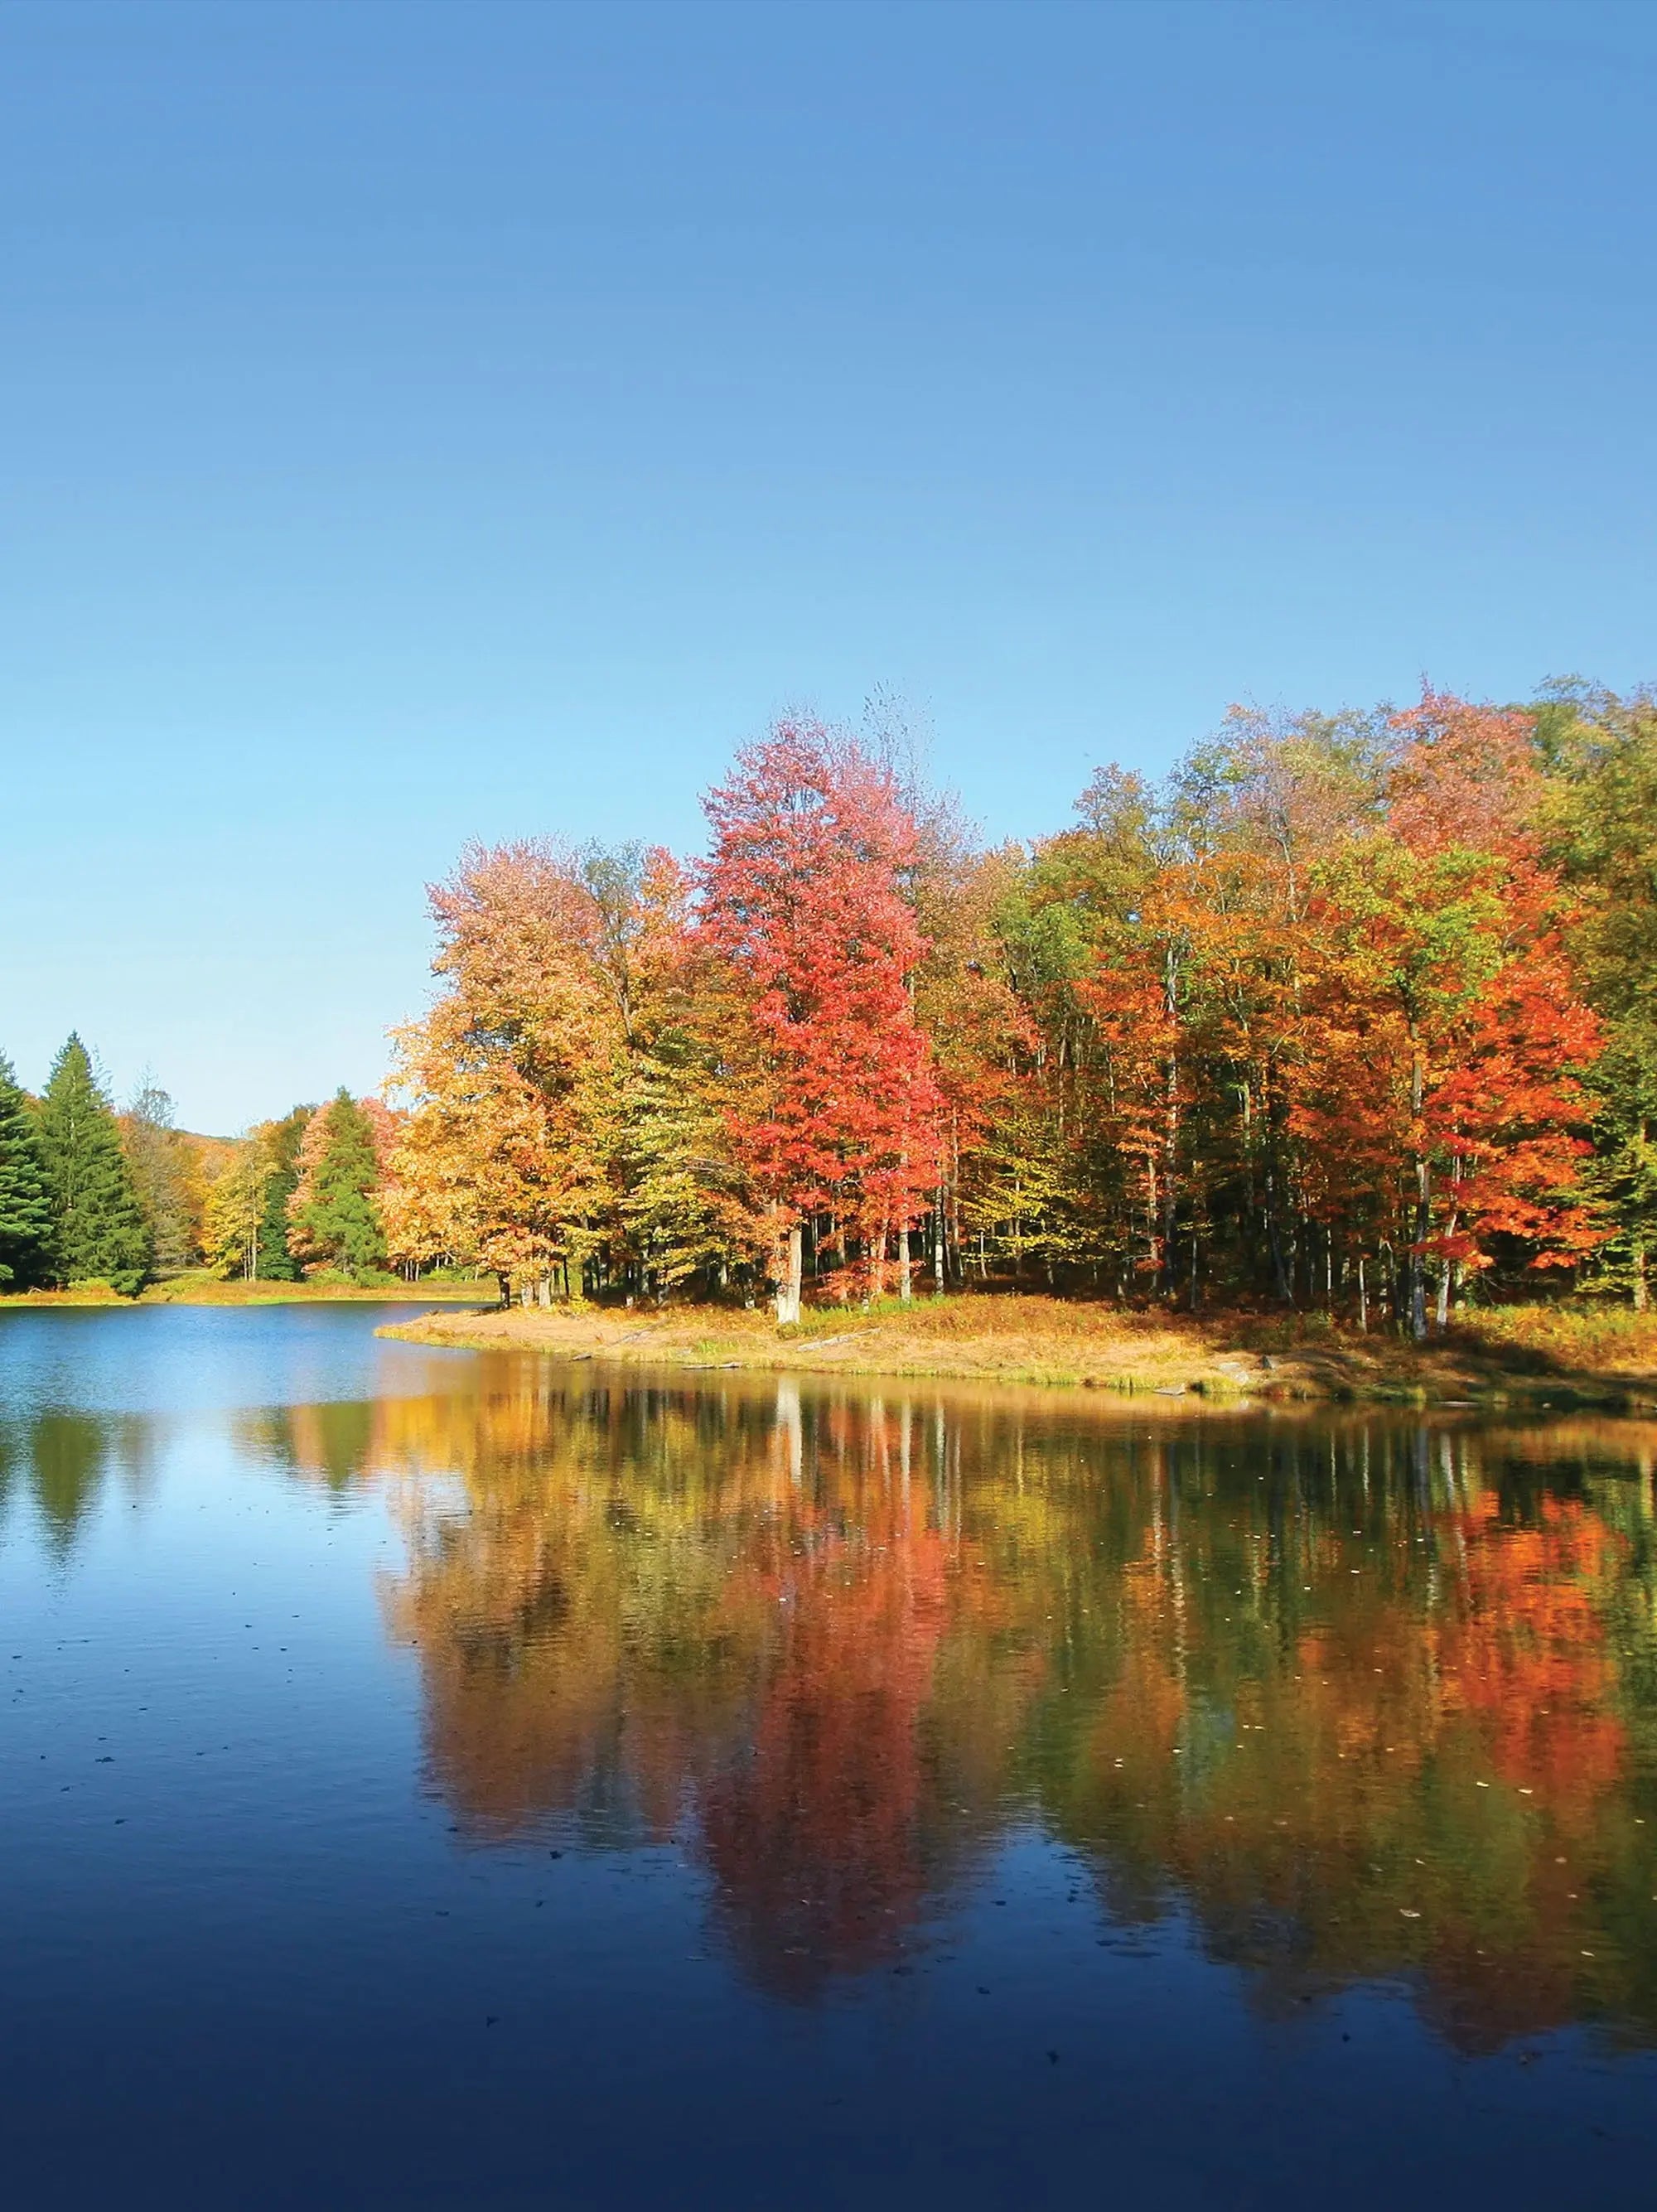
[(805, 897)]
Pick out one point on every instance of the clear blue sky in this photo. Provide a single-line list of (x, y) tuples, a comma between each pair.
[(423, 422)]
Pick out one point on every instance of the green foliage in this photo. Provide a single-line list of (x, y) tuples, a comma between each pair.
[(68, 1455), (25, 1214), (1602, 752), (98, 1231), (337, 1220), (277, 1263), (682, 1206)]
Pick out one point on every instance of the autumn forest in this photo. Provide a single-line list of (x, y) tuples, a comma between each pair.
[(1350, 1014)]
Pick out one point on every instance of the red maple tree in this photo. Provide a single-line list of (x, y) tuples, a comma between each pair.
[(806, 895)]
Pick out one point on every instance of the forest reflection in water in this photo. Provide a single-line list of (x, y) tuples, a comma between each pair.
[(60, 1460), (1361, 1697)]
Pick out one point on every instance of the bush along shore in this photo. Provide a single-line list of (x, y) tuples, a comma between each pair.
[(1520, 1356)]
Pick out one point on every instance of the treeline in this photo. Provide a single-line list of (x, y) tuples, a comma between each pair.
[(88, 1195), (1353, 1012)]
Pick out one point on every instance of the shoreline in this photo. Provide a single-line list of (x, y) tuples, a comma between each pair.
[(1235, 1360), (194, 1291)]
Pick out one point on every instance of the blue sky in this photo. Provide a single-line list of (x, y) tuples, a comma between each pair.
[(423, 422)]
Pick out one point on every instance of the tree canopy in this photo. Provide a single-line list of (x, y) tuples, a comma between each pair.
[(99, 1232)]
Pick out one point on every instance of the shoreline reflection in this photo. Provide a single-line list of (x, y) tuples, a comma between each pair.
[(1362, 1697)]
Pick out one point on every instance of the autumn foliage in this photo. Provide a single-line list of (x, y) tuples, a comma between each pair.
[(1308, 1023), (806, 899)]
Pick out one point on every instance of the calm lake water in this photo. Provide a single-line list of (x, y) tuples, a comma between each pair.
[(440, 1780)]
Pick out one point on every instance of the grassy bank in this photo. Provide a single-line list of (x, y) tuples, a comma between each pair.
[(1510, 1356), (198, 1288)]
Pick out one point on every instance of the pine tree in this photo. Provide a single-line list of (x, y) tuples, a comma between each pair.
[(335, 1217), (25, 1216), (277, 1263), (98, 1231)]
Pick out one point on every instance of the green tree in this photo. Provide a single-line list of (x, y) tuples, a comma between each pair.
[(275, 1263), (98, 1233), (335, 1218), (68, 1455), (24, 1215), (1602, 753)]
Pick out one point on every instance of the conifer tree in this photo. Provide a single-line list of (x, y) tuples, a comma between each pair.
[(98, 1231), (335, 1217), (275, 1262), (25, 1216)]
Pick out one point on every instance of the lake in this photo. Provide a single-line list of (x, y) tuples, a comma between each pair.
[(435, 1779)]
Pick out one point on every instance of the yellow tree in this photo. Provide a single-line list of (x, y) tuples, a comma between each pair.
[(234, 1206)]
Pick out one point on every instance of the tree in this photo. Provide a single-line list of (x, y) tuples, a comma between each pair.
[(514, 1076), (159, 1160), (566, 1115), (686, 1209), (236, 1208), (274, 1263), (1602, 834), (1441, 1051), (25, 1213), (806, 896), (98, 1233), (334, 1218)]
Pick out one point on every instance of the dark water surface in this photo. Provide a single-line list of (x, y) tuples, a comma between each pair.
[(437, 1780)]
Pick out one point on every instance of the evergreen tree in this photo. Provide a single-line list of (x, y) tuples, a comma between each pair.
[(335, 1218), (25, 1216), (98, 1231), (276, 1264)]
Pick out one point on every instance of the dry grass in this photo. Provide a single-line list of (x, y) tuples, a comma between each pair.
[(1508, 1356), (1610, 1341)]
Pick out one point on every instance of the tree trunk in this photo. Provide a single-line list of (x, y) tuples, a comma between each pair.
[(1169, 1254), (1280, 1277), (905, 1287), (788, 1290), (1638, 1253), (1444, 1283), (1416, 1289)]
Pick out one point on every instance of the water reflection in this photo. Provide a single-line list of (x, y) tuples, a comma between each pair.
[(60, 1461), (1361, 1697)]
